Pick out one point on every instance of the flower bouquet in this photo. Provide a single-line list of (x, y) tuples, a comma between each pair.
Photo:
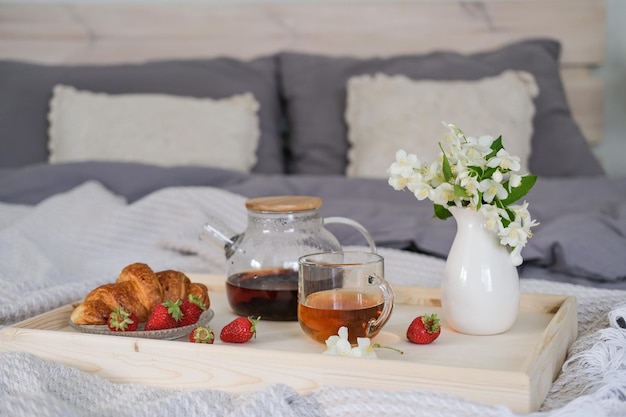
[(476, 173)]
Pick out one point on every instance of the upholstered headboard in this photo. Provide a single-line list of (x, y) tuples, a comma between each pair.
[(133, 32)]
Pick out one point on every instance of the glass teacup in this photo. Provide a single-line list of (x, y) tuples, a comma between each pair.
[(338, 289)]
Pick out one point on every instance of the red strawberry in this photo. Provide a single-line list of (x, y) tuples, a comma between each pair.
[(202, 335), (239, 330), (122, 320), (424, 329), (165, 316), (191, 308)]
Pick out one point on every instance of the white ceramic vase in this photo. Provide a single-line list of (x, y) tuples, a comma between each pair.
[(480, 285)]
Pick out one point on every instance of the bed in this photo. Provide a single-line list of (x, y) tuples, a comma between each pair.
[(285, 117)]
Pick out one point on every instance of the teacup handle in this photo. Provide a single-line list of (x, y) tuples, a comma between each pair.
[(388, 296), (358, 226)]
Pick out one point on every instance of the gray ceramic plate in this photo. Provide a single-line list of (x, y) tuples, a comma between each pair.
[(168, 334)]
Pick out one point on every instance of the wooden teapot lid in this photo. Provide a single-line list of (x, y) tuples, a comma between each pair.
[(284, 203)]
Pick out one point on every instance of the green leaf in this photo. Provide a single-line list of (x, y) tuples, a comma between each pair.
[(480, 201), (447, 170), (516, 193), (496, 145), (459, 191), (441, 212), (489, 172), (506, 220), (498, 203)]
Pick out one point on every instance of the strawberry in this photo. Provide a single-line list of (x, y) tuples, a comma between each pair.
[(202, 334), (191, 308), (165, 316), (424, 329), (122, 320), (239, 330)]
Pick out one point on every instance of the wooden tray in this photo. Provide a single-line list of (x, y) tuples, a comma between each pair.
[(515, 369)]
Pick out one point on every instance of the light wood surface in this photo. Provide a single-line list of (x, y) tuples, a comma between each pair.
[(133, 32), (515, 368)]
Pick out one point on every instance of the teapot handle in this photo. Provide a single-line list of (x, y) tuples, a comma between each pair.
[(358, 226)]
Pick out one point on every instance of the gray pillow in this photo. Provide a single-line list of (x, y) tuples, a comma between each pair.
[(315, 92), (25, 91)]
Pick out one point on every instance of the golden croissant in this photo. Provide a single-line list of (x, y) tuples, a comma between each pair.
[(138, 289)]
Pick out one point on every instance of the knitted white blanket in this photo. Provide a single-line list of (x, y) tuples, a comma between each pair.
[(62, 248)]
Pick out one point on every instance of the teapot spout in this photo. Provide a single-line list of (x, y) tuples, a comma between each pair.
[(217, 233)]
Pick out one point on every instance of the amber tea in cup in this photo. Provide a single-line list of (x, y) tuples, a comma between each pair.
[(343, 289)]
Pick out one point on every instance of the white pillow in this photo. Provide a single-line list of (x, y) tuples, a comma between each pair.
[(153, 128), (386, 113)]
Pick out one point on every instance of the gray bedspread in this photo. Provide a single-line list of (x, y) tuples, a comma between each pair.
[(581, 237), (65, 229)]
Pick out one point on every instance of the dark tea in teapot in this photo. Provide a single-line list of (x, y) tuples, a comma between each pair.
[(269, 293)]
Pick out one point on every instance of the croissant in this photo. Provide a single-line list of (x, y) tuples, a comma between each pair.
[(177, 286), (138, 289)]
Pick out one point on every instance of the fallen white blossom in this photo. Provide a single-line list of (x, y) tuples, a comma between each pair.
[(339, 345)]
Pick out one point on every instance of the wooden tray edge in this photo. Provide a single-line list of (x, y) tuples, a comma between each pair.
[(542, 366)]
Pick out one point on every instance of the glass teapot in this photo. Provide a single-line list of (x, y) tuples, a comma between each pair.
[(262, 262)]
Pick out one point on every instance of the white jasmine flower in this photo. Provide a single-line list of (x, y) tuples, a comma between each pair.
[(343, 347), (404, 165), (477, 148), (331, 343), (443, 194), (521, 211), (492, 189), (515, 180), (523, 216), (528, 225), (363, 349), (420, 190), (418, 186), (432, 174), (505, 161), (493, 220), (482, 142), (470, 185), (403, 170), (454, 130), (513, 235), (339, 345), (398, 183), (414, 181)]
